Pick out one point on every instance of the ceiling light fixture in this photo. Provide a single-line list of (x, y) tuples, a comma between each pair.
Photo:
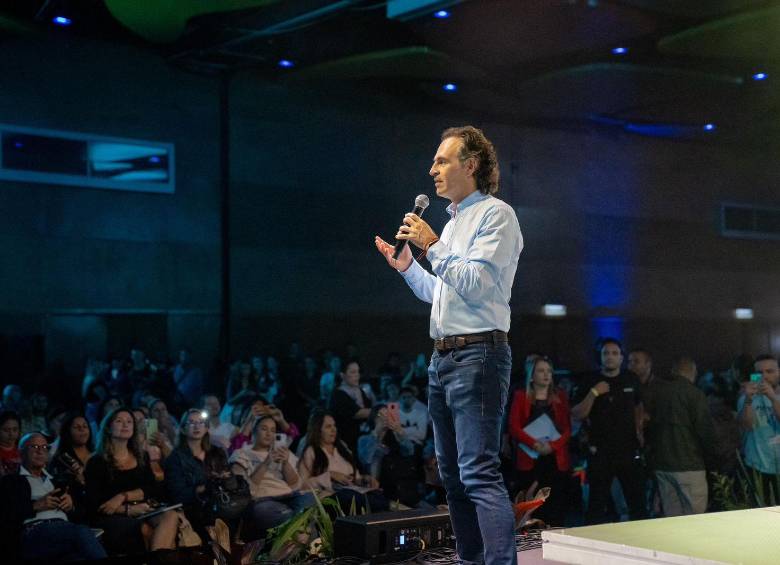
[(620, 50), (709, 127), (759, 76), (286, 64), (450, 87), (441, 14), (62, 21)]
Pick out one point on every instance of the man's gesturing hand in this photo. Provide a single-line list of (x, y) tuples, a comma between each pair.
[(416, 230), (404, 259)]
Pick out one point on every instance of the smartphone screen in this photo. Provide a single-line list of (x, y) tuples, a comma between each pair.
[(755, 377), (280, 440), (394, 411), (151, 427)]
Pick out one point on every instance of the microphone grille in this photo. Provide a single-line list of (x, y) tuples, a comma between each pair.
[(422, 201)]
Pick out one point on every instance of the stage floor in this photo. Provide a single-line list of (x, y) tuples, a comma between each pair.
[(748, 537)]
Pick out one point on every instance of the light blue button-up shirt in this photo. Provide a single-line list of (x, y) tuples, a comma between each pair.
[(474, 264)]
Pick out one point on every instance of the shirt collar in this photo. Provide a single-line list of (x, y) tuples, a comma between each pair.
[(23, 472), (472, 198)]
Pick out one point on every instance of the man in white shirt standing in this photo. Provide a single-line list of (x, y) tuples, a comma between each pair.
[(473, 263)]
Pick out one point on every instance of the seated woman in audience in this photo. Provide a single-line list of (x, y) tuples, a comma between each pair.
[(270, 469), (258, 409), (155, 452), (541, 398), (388, 455), (120, 483), (68, 462), (220, 433), (190, 465), (10, 430), (328, 465), (351, 405), (166, 424)]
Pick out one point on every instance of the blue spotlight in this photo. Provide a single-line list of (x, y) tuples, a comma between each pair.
[(62, 21), (620, 50), (760, 76), (286, 64), (450, 87), (709, 127), (441, 14)]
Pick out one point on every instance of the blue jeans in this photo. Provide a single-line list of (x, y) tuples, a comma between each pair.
[(271, 511), (60, 542), (467, 392)]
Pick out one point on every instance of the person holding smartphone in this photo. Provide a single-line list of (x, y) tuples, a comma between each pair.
[(758, 410), (270, 469), (36, 512)]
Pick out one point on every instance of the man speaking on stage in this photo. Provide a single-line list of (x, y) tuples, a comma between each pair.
[(473, 263)]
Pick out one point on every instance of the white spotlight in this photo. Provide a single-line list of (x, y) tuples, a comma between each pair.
[(743, 313), (554, 310)]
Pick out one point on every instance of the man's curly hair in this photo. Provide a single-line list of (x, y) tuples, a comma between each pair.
[(479, 147)]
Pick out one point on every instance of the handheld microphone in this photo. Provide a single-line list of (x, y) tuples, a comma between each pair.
[(420, 204)]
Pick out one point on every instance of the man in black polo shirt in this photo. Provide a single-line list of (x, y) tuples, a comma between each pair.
[(609, 403)]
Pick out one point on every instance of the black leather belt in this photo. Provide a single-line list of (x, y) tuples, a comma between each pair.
[(456, 341)]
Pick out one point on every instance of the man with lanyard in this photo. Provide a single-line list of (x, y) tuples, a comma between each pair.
[(474, 263)]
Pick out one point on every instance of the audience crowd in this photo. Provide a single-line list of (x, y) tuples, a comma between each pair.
[(622, 442)]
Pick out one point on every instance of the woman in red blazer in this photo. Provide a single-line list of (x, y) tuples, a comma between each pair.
[(551, 467)]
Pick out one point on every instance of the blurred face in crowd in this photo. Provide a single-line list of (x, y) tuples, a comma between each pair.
[(40, 403), (335, 365), (407, 401), (139, 418), (769, 371), (265, 431), (111, 405), (9, 433), (55, 423), (328, 430), (611, 358), (392, 392), (352, 374), (36, 453), (159, 411), (257, 364), (212, 406), (542, 375), (138, 357), (12, 395), (184, 357), (196, 426), (273, 364), (122, 426), (245, 369), (79, 432), (310, 365), (639, 364)]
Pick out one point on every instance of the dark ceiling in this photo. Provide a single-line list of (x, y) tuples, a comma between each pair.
[(687, 63)]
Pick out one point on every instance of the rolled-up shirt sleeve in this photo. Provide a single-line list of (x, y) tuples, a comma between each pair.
[(420, 281), (496, 244)]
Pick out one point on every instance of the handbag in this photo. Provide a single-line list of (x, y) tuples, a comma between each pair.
[(186, 535), (228, 497)]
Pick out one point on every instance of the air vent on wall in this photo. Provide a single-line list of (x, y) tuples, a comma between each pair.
[(739, 220)]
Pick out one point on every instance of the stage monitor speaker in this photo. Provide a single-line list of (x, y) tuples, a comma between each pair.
[(392, 536)]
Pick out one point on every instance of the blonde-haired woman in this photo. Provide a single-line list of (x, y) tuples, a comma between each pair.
[(550, 467), (119, 481)]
